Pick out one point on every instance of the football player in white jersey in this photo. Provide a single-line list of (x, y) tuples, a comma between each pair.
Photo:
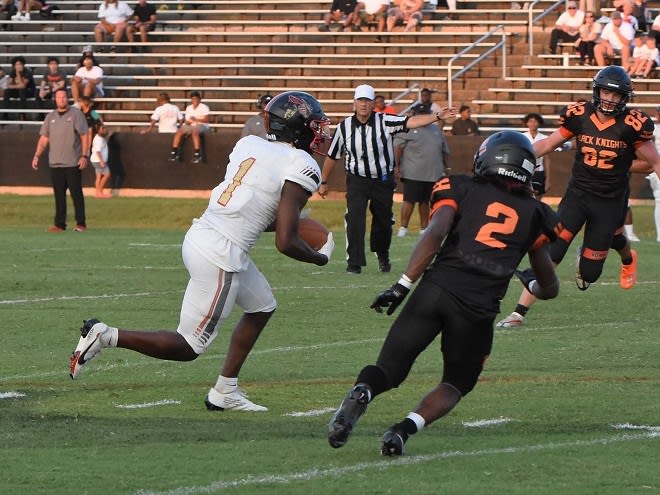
[(267, 184)]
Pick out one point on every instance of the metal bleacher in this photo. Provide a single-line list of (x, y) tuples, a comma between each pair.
[(235, 50)]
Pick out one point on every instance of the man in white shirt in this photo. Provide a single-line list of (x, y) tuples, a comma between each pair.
[(196, 123), (166, 115), (567, 27), (113, 19), (615, 40), (371, 11)]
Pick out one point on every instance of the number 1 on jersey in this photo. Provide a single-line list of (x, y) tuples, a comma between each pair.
[(243, 168)]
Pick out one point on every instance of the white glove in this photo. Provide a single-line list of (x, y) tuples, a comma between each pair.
[(328, 247)]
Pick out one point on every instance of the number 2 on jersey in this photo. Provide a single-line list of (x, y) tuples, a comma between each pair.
[(243, 168), (507, 219)]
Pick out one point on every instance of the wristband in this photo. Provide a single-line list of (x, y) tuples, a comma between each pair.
[(324, 182), (406, 281), (437, 116)]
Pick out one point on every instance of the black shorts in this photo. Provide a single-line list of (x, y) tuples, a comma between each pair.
[(466, 336), (600, 217), (416, 191)]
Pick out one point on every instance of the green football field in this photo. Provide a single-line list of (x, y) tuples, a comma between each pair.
[(568, 404)]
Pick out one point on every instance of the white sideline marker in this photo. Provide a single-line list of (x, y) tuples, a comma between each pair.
[(313, 412), (164, 402), (482, 423), (320, 473), (11, 395)]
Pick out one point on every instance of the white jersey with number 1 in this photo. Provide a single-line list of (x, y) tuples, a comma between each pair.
[(243, 205)]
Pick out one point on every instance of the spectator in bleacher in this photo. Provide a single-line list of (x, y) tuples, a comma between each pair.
[(632, 12), (53, 79), (114, 16), (637, 61), (421, 157), (541, 176), (166, 115), (88, 80), (655, 29), (254, 126), (408, 13), (20, 83), (464, 125), (426, 98), (567, 27), (589, 36), (370, 11), (8, 8), (87, 51), (92, 117), (144, 21), (196, 123), (341, 11), (25, 6), (3, 81), (381, 107), (615, 41)]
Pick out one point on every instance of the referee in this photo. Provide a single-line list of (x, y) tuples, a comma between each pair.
[(365, 139)]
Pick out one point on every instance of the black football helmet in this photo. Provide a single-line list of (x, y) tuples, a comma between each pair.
[(296, 117), (507, 154), (616, 79)]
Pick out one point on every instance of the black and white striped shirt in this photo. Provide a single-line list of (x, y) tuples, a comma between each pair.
[(367, 148)]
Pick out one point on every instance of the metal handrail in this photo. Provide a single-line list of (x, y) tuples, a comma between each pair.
[(533, 20), (501, 43)]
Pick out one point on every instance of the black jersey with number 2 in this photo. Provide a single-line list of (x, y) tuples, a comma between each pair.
[(493, 230), (604, 151)]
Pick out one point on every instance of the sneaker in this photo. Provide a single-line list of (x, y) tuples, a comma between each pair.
[(581, 284), (26, 17), (514, 320), (628, 275), (344, 419), (403, 231), (197, 158), (174, 157), (54, 229), (393, 441), (384, 265), (17, 17), (632, 237), (236, 400), (421, 231), (80, 228), (89, 346), (354, 269), (324, 28)]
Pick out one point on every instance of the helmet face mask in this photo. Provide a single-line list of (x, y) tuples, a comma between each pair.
[(506, 154), (612, 78), (297, 118)]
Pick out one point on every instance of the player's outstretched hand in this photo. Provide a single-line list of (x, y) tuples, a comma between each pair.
[(526, 277), (328, 247), (390, 298)]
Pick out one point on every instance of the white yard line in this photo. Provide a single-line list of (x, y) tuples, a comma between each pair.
[(164, 402), (313, 412), (482, 423), (11, 395), (320, 473)]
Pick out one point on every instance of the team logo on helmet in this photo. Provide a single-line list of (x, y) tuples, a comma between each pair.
[(301, 105)]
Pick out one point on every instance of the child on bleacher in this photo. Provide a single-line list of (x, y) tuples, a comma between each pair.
[(639, 56)]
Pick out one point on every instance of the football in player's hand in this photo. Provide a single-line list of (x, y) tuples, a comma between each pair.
[(312, 232)]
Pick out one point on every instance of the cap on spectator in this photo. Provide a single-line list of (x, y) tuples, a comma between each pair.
[(421, 109), (535, 116), (87, 49), (263, 100), (571, 4), (427, 90), (364, 91)]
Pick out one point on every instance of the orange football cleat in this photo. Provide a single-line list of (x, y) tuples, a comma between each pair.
[(628, 275)]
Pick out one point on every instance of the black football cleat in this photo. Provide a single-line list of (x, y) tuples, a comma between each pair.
[(393, 441), (344, 419)]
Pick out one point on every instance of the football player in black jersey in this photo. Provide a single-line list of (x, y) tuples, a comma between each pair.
[(609, 137), (480, 229)]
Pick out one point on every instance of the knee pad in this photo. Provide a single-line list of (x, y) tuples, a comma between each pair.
[(462, 376)]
